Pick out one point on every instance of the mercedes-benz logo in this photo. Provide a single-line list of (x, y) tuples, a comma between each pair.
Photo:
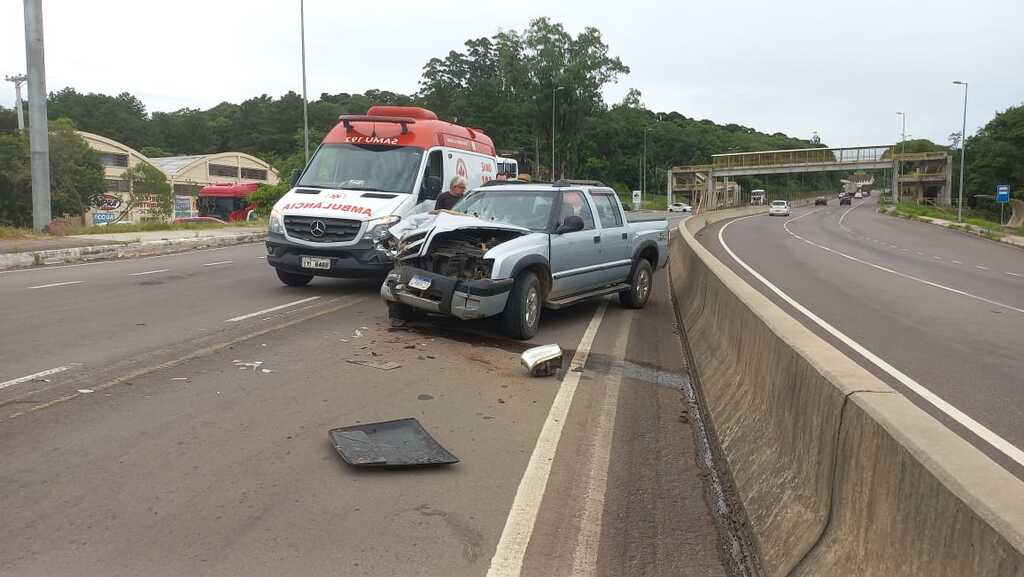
[(317, 228)]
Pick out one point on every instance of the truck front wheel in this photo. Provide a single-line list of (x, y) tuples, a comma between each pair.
[(640, 282), (293, 279), (522, 311)]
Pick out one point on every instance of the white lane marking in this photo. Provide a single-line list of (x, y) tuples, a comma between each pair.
[(979, 267), (270, 310), (588, 540), (843, 217), (937, 257), (1014, 274), (148, 272), (785, 226), (35, 376), (1001, 444), (218, 262), (515, 537), (70, 282), (957, 262)]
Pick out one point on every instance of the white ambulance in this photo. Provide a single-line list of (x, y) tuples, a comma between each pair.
[(370, 171)]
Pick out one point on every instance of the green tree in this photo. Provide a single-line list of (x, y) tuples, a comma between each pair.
[(76, 174), (154, 152), (994, 156), (15, 181), (148, 186)]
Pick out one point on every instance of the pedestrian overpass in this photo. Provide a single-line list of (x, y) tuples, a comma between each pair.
[(921, 176)]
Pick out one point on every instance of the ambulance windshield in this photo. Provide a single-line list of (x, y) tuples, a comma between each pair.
[(363, 167)]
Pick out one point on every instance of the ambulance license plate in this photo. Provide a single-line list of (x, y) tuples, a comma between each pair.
[(419, 282), (316, 262)]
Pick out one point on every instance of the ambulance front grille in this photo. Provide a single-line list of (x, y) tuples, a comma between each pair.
[(334, 229)]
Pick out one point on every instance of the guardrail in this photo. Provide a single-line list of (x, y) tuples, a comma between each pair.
[(837, 473)]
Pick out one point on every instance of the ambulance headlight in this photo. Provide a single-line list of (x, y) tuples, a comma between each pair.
[(377, 228), (276, 223)]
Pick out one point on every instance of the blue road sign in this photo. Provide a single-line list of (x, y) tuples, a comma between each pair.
[(1003, 193)]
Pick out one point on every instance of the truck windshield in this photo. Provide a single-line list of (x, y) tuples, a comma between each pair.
[(528, 209), (363, 167)]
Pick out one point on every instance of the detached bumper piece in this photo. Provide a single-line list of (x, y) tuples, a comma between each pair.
[(390, 444), (464, 299)]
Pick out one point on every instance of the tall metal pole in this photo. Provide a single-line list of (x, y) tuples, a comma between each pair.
[(553, 90), (305, 108), (963, 155), (899, 163), (18, 81), (643, 168), (38, 131)]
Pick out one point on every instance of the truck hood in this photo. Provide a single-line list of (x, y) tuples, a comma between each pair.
[(330, 203), (445, 221)]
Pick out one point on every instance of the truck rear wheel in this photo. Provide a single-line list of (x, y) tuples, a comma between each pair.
[(641, 282), (293, 279), (522, 311)]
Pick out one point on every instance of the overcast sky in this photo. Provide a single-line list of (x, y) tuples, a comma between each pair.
[(794, 66)]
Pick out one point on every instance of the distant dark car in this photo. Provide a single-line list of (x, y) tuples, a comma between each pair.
[(820, 201), (846, 199), (198, 219)]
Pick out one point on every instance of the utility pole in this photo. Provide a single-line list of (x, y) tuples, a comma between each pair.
[(18, 81), (963, 155), (553, 90), (39, 131), (305, 108), (899, 163)]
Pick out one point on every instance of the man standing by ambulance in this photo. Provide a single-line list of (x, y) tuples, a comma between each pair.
[(456, 190)]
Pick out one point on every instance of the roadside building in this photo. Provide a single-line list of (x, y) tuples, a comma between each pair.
[(186, 175)]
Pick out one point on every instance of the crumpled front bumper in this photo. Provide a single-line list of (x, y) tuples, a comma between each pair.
[(464, 299)]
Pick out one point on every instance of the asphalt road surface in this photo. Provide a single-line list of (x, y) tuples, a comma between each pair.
[(937, 314), (169, 416)]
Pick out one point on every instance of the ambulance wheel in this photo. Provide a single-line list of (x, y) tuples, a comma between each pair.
[(293, 279)]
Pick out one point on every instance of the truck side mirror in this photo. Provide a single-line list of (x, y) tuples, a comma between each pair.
[(570, 224), (296, 173), (431, 187)]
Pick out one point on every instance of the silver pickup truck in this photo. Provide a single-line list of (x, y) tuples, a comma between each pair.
[(515, 249)]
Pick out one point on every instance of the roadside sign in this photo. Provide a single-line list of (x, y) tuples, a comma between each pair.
[(636, 197), (1003, 193)]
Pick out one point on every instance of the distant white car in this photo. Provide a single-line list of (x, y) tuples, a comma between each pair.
[(778, 208), (858, 194), (680, 207)]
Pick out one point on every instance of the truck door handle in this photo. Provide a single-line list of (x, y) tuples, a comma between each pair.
[(625, 236), (597, 239)]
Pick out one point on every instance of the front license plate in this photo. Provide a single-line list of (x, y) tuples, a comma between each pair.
[(419, 282), (316, 262)]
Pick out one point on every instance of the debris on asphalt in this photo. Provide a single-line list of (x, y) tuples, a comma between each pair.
[(179, 378), (382, 365), (86, 391), (542, 361), (247, 364), (401, 443), (265, 371)]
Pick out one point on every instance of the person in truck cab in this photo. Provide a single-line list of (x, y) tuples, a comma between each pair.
[(456, 190)]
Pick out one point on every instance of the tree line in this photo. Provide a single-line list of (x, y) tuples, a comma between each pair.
[(511, 85)]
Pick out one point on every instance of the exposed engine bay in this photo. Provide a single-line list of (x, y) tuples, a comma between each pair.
[(460, 253)]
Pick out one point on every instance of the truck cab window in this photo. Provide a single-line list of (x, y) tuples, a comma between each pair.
[(607, 211), (575, 204)]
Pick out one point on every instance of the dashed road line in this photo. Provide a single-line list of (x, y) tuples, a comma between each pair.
[(979, 267), (148, 272), (270, 310), (219, 262), (1015, 274), (53, 284), (957, 262), (35, 376)]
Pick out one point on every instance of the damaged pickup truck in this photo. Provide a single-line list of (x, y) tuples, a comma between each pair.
[(511, 250)]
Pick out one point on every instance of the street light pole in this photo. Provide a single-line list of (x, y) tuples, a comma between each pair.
[(963, 155), (18, 81), (305, 108), (38, 133), (553, 90)]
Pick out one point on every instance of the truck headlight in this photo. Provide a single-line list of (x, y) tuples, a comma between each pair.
[(276, 224)]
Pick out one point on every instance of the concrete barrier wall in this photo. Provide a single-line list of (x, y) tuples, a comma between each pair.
[(838, 474)]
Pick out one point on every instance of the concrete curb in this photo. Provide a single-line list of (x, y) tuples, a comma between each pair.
[(969, 229), (837, 473), (124, 250)]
